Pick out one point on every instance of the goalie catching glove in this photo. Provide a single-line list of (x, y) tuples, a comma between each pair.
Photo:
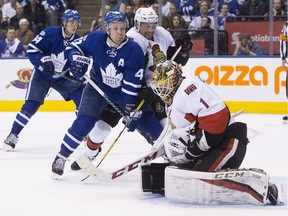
[(182, 147), (79, 66)]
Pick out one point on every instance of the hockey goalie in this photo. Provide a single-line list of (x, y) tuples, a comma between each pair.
[(180, 182), (204, 161)]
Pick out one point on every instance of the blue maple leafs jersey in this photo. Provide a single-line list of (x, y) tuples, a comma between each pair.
[(50, 42), (117, 71)]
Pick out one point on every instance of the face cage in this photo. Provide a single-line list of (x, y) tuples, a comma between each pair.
[(163, 88)]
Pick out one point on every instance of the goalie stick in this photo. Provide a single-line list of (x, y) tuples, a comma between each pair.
[(95, 172)]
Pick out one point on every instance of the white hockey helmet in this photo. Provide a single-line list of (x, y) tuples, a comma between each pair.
[(145, 15)]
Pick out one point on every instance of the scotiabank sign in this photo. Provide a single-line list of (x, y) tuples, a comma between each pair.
[(259, 32)]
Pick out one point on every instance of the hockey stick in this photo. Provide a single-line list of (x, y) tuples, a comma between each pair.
[(93, 84), (98, 174), (131, 119)]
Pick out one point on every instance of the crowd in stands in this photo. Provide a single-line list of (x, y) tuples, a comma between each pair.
[(195, 16), (22, 20)]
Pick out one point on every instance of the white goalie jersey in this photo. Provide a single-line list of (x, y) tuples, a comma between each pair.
[(156, 49), (193, 100)]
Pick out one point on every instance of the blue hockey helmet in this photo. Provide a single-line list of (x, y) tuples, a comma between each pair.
[(114, 16), (70, 15)]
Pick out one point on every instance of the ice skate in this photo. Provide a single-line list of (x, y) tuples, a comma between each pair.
[(10, 142), (58, 166), (285, 119), (272, 195)]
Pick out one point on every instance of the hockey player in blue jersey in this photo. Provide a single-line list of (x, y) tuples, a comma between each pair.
[(157, 45), (118, 69), (46, 53)]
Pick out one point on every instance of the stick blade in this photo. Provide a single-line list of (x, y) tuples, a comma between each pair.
[(92, 170)]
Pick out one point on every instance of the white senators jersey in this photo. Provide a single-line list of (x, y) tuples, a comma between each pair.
[(196, 101), (155, 49)]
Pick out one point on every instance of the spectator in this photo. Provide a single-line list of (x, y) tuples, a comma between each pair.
[(233, 6), (203, 12), (137, 4), (207, 33), (97, 24), (176, 23), (53, 10), (224, 16), (117, 5), (130, 16), (23, 2), (252, 8), (186, 8), (71, 4), (24, 34), (11, 46), (245, 46), (165, 19), (278, 10), (8, 11), (14, 21), (173, 9), (107, 8), (165, 7), (3, 25), (35, 14)]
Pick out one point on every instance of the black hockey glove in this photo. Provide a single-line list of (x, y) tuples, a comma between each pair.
[(46, 65), (147, 94), (184, 40), (79, 66)]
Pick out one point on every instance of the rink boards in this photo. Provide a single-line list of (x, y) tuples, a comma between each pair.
[(256, 85)]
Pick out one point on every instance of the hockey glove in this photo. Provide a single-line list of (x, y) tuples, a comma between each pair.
[(147, 95), (46, 65), (79, 66), (176, 146), (131, 118), (184, 40)]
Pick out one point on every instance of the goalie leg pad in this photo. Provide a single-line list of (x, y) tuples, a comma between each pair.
[(153, 177), (242, 186)]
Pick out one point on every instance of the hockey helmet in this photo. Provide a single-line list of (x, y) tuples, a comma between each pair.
[(165, 80), (114, 16), (145, 15), (70, 15)]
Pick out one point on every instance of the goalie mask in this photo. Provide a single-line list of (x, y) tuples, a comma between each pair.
[(165, 80)]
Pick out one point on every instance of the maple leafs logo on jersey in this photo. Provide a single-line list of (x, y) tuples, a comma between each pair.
[(59, 61), (110, 76)]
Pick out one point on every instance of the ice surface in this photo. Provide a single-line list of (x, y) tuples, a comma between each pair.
[(27, 189)]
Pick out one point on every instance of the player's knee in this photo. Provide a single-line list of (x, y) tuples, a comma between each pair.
[(83, 125), (30, 108), (99, 132)]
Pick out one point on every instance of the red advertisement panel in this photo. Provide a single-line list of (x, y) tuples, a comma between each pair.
[(259, 32)]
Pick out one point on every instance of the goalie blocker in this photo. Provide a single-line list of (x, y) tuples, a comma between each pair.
[(241, 186)]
